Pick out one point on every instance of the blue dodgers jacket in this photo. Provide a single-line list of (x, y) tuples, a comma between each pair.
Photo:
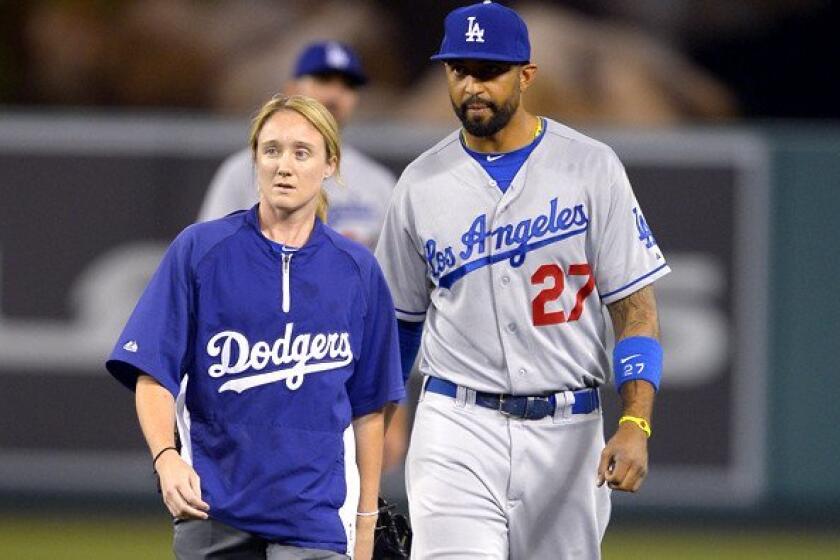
[(270, 353)]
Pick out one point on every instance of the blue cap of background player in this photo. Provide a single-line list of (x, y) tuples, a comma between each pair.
[(485, 31), (330, 57)]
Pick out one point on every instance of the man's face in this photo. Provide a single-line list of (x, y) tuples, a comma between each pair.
[(484, 94), (332, 90)]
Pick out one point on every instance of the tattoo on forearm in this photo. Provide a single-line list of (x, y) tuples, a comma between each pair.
[(636, 313)]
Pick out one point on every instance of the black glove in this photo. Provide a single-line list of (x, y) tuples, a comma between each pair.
[(392, 536)]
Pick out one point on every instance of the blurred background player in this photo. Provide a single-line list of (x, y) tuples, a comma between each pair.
[(332, 73)]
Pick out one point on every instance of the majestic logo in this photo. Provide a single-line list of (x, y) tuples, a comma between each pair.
[(645, 234), (131, 346), (494, 158), (236, 355), (512, 242), (475, 34)]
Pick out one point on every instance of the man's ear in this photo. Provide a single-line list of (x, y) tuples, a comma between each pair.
[(527, 74)]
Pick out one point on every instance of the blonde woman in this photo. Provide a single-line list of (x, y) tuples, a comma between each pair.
[(264, 335)]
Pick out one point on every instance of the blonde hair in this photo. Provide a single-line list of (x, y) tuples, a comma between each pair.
[(319, 117)]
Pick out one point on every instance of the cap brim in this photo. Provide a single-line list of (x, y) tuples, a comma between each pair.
[(354, 79), (477, 56)]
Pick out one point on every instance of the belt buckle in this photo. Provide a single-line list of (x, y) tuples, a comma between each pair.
[(501, 406)]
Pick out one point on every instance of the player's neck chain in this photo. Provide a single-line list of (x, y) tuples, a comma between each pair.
[(538, 128)]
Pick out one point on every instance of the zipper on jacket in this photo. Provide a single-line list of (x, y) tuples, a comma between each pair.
[(287, 296)]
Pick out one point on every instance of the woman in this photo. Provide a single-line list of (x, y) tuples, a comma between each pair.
[(266, 333)]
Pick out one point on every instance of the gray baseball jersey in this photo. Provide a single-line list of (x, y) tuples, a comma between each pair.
[(511, 285), (357, 208)]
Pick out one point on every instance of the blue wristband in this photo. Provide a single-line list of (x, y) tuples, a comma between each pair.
[(637, 358)]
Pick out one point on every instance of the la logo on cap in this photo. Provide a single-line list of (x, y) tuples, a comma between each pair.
[(336, 57), (475, 34)]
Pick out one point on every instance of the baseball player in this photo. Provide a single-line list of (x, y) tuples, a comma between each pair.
[(265, 333), (331, 73), (502, 243)]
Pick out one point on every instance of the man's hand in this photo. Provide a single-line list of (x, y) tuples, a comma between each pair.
[(365, 529), (624, 461), (180, 487)]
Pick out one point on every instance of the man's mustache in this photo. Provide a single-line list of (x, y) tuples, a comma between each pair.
[(475, 100)]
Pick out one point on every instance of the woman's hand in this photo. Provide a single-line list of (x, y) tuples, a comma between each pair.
[(180, 487), (370, 432), (365, 528)]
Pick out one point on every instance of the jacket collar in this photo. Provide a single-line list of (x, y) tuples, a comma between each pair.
[(316, 238)]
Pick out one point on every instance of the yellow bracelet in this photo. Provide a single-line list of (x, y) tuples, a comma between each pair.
[(640, 422)]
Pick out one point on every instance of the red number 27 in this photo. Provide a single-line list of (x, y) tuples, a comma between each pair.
[(546, 271)]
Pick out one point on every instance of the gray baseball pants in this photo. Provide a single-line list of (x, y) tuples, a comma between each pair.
[(483, 486)]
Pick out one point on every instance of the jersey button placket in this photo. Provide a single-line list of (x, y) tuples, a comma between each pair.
[(500, 276)]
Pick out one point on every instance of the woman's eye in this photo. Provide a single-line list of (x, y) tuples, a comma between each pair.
[(270, 150), (301, 154)]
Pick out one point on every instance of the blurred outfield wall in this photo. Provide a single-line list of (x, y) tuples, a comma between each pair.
[(747, 417)]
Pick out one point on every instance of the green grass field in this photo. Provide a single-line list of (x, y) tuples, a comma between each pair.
[(31, 538)]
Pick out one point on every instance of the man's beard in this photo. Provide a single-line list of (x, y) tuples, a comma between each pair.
[(499, 117)]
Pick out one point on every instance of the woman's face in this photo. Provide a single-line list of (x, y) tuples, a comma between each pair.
[(291, 162)]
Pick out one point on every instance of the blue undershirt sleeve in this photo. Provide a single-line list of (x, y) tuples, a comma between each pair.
[(410, 333)]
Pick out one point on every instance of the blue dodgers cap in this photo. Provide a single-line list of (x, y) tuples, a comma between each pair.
[(330, 57), (485, 31)]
